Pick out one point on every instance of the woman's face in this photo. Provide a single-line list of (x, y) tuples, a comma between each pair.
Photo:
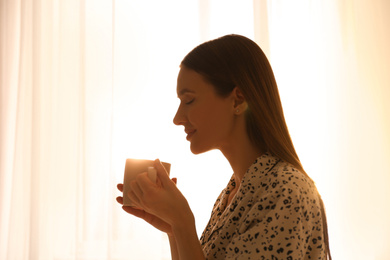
[(208, 119)]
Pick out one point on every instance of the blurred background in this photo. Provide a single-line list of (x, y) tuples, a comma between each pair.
[(86, 84)]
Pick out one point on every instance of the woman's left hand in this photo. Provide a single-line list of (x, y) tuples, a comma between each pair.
[(161, 199)]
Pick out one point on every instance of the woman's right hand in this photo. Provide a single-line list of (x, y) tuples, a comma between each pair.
[(140, 213)]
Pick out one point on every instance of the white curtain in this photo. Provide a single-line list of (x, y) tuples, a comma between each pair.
[(332, 62), (88, 83)]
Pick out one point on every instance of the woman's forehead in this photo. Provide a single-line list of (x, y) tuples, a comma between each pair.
[(189, 81)]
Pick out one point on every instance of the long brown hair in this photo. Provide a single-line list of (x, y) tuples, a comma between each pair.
[(236, 61)]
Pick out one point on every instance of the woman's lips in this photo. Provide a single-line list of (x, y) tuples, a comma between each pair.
[(190, 134)]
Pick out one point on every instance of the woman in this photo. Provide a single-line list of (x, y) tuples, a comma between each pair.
[(270, 208)]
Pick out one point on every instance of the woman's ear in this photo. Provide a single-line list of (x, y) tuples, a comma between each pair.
[(240, 105)]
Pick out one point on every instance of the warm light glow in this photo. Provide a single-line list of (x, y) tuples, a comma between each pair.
[(146, 99), (86, 84)]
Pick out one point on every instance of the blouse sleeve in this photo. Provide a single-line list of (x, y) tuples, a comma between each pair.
[(285, 223)]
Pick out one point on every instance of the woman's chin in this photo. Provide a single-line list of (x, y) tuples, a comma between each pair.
[(196, 149)]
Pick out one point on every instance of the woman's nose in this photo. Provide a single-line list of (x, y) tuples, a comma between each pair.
[(179, 118)]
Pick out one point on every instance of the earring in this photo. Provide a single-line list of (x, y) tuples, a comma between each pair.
[(237, 110)]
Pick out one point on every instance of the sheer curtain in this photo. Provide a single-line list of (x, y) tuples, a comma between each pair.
[(56, 109), (86, 84), (331, 60)]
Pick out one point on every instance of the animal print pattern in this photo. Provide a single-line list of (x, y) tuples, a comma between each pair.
[(275, 214)]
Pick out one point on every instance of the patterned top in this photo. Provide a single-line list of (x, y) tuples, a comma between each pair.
[(275, 214)]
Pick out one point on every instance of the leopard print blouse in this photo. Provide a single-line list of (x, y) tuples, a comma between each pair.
[(275, 214)]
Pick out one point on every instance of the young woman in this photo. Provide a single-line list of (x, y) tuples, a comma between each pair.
[(270, 208)]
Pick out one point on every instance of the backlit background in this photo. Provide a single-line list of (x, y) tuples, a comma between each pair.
[(86, 84)]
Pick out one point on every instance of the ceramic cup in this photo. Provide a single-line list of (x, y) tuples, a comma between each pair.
[(134, 167)]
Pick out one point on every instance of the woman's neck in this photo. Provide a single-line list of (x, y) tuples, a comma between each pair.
[(241, 154)]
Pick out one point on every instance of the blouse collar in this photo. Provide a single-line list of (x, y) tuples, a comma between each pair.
[(222, 211)]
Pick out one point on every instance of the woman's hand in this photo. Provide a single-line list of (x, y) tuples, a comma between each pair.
[(161, 204), (161, 199), (151, 219)]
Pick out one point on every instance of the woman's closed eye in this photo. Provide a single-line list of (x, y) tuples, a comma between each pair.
[(189, 102)]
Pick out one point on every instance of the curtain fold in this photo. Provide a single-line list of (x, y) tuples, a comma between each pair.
[(17, 145)]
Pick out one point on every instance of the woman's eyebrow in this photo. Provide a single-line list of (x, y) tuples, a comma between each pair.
[(184, 91)]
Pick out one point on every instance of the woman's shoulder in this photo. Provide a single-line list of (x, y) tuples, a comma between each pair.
[(270, 175), (289, 175), (283, 192)]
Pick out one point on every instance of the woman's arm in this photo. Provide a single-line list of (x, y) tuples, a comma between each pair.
[(154, 221), (172, 243), (187, 242)]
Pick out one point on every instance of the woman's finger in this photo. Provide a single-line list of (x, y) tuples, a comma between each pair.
[(145, 184), (161, 172), (120, 187), (135, 187), (119, 200), (133, 211), (134, 199)]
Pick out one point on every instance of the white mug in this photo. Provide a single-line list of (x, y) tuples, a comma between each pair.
[(134, 167)]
